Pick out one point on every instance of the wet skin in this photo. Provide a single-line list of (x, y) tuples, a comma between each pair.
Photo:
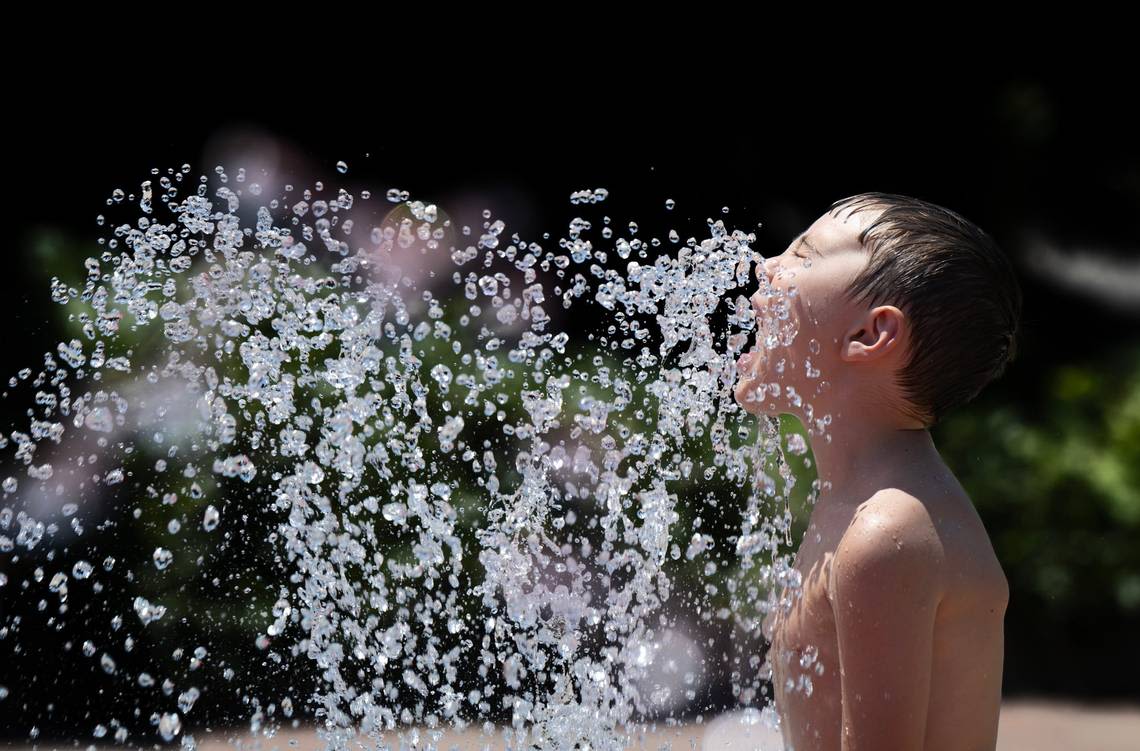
[(902, 598)]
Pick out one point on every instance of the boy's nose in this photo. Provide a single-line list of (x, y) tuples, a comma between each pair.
[(767, 270)]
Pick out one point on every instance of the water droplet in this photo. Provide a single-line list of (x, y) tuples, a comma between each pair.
[(395, 512), (169, 725), (186, 700), (148, 612), (162, 558)]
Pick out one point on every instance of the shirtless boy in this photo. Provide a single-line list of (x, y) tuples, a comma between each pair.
[(906, 310)]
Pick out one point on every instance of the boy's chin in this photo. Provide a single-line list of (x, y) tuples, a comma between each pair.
[(745, 395)]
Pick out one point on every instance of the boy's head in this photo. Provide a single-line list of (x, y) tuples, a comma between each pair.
[(892, 299)]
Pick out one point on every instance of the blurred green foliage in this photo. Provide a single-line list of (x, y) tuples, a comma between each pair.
[(1058, 487)]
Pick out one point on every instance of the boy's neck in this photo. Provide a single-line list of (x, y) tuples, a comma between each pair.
[(864, 456)]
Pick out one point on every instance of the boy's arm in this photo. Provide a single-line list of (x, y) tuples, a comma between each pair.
[(885, 593)]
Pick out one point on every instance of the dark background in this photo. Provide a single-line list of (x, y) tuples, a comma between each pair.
[(1048, 166), (1034, 162)]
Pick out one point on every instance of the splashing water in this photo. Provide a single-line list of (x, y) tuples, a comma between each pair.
[(472, 492)]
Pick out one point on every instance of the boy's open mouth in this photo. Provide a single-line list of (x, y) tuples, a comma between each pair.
[(745, 358)]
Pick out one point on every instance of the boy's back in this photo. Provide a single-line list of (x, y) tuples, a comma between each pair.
[(896, 639)]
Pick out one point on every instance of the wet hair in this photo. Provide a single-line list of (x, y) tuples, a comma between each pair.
[(957, 288)]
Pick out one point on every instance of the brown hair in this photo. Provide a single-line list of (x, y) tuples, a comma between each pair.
[(957, 288)]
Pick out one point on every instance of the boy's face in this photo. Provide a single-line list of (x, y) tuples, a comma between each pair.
[(800, 308)]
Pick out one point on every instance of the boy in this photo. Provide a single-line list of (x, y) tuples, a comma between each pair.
[(903, 311)]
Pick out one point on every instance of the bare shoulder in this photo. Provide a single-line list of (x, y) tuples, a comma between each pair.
[(892, 541), (939, 543), (895, 523)]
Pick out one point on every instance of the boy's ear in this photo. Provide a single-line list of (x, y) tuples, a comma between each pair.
[(875, 335)]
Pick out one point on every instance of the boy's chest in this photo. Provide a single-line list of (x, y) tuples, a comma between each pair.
[(804, 654)]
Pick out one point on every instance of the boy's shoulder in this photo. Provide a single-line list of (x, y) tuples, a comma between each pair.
[(896, 539), (891, 542), (892, 520)]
